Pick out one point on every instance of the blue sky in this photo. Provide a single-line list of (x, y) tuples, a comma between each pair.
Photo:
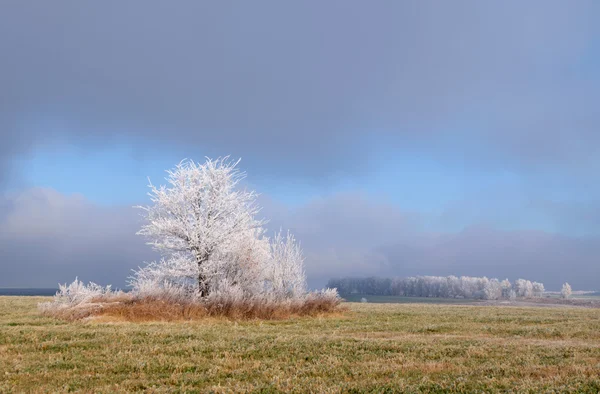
[(117, 175), (387, 135)]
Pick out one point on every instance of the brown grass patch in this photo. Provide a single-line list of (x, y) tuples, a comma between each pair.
[(127, 308)]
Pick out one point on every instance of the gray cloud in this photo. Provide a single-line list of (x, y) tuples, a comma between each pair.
[(309, 86), (348, 235), (47, 238), (480, 250)]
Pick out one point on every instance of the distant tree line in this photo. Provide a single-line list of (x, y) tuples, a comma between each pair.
[(439, 286)]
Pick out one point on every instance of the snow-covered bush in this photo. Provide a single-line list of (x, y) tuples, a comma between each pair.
[(566, 291), (74, 295), (78, 292)]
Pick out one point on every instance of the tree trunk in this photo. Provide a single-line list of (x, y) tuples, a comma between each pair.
[(203, 286)]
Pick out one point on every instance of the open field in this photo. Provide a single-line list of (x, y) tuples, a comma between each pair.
[(370, 348), (587, 301), (379, 299)]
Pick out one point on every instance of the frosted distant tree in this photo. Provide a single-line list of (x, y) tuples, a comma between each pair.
[(453, 286), (468, 286), (203, 214), (524, 288), (492, 290), (538, 289), (528, 289), (506, 288), (439, 286), (566, 291)]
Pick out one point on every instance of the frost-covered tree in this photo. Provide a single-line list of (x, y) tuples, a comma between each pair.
[(205, 227), (201, 217), (566, 291), (538, 289), (492, 290), (216, 257), (506, 288), (524, 288)]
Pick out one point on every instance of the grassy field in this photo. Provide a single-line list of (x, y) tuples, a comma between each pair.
[(590, 301), (370, 348), (406, 300)]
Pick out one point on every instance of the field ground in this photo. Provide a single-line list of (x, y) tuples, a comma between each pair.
[(405, 300), (369, 348), (587, 301)]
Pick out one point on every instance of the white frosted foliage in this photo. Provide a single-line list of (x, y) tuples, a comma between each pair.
[(213, 248), (205, 227), (285, 271)]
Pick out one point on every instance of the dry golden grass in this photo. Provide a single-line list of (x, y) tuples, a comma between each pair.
[(369, 348), (124, 307)]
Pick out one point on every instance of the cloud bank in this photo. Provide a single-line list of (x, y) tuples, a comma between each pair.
[(47, 238)]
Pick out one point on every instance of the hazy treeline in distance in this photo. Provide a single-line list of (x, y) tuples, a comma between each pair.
[(439, 286)]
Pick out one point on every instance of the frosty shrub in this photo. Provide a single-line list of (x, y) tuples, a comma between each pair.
[(215, 255), (566, 291), (70, 297)]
